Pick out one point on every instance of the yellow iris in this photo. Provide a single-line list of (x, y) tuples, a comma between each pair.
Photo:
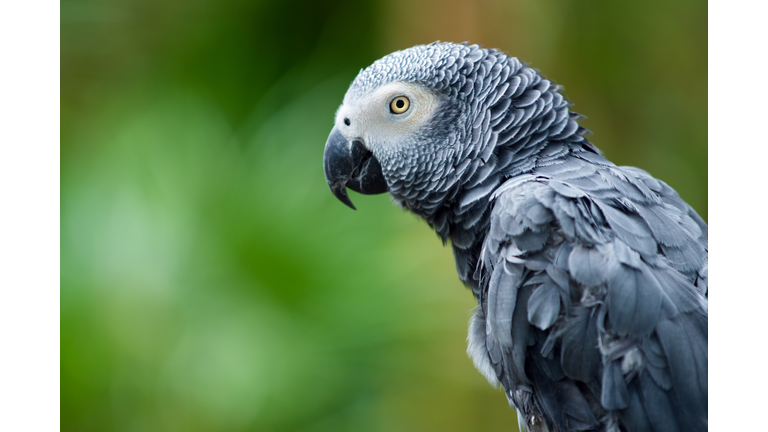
[(399, 105)]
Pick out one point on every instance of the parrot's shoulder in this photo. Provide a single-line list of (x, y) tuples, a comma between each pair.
[(593, 285), (589, 201)]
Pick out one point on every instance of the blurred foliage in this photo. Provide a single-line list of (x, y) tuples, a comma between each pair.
[(211, 282)]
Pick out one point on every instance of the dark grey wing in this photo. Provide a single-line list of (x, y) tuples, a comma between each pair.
[(687, 261), (591, 295)]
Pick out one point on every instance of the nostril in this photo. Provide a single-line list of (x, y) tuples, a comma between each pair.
[(346, 121)]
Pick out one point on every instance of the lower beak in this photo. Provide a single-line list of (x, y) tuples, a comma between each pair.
[(351, 165)]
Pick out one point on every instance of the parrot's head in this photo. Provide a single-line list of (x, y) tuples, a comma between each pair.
[(440, 126)]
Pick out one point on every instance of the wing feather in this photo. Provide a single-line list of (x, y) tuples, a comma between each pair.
[(594, 297)]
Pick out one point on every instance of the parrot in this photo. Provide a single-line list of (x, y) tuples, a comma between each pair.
[(590, 278)]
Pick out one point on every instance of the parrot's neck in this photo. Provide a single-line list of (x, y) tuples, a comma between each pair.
[(467, 226)]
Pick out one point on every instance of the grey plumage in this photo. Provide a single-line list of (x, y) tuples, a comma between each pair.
[(591, 279)]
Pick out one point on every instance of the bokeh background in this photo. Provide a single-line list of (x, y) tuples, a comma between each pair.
[(209, 279)]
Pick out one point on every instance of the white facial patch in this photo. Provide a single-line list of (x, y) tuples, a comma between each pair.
[(371, 119)]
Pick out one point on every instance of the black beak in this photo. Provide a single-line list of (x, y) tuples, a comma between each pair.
[(351, 165)]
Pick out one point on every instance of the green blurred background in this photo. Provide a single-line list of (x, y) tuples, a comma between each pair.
[(209, 279)]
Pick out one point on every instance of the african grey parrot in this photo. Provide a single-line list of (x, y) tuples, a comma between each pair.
[(591, 279)]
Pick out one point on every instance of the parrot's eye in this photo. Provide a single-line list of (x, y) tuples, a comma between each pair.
[(399, 105)]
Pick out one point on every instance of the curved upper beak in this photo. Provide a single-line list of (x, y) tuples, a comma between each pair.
[(351, 165)]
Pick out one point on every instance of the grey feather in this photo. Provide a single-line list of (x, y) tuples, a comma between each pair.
[(656, 363), (520, 334), (627, 256), (544, 306), (502, 295), (686, 352), (615, 395), (658, 403), (566, 190), (592, 266), (635, 417), (664, 229), (634, 300), (579, 355), (532, 241), (630, 228)]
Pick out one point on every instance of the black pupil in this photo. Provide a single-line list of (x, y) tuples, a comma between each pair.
[(399, 103)]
